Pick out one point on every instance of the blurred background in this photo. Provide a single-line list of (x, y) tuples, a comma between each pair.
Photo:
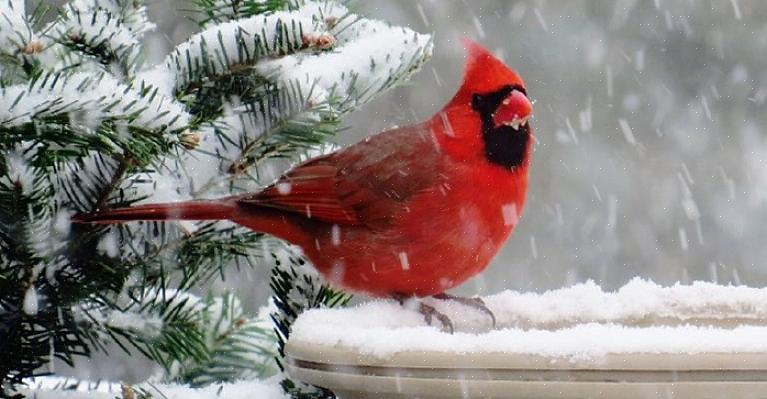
[(651, 134), (651, 126)]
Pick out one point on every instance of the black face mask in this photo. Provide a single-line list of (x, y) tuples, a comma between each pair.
[(504, 145)]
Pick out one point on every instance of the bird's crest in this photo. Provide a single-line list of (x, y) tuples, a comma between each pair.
[(484, 72)]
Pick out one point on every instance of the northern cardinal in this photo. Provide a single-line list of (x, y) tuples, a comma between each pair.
[(410, 211)]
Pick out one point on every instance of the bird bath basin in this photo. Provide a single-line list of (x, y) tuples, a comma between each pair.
[(642, 341)]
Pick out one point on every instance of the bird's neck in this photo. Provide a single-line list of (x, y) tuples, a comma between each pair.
[(457, 129)]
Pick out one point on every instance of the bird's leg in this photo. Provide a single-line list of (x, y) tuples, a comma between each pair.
[(476, 303), (428, 312)]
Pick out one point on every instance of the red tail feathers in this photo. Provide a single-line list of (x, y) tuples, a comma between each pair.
[(191, 210)]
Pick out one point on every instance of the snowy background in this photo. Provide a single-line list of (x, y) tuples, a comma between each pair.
[(651, 126)]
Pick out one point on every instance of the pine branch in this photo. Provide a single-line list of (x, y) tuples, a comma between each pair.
[(238, 347), (15, 30), (296, 289), (100, 34), (218, 11), (299, 124), (210, 249), (234, 46), (81, 128), (101, 96), (384, 57), (117, 177)]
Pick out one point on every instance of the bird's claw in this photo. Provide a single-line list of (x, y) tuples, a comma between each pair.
[(429, 313), (476, 303)]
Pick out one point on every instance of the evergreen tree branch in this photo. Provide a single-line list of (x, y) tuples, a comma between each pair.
[(100, 95), (98, 33), (218, 11), (117, 177), (238, 44), (81, 128)]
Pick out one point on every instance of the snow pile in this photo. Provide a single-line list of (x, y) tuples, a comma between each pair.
[(58, 388), (577, 322), (640, 302)]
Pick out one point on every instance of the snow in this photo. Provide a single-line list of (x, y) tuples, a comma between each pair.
[(316, 75), (100, 96), (335, 235), (240, 390), (510, 214), (403, 260), (368, 52), (53, 388), (540, 19), (148, 325), (284, 188), (109, 245), (62, 222), (132, 14), (30, 305), (228, 44), (98, 27), (533, 247), (578, 321), (736, 9), (154, 186), (609, 80), (628, 134), (19, 172), (14, 31)]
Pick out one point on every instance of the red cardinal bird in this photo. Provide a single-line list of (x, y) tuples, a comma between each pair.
[(411, 211)]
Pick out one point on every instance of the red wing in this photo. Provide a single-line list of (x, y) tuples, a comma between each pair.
[(308, 189), (378, 178), (365, 184)]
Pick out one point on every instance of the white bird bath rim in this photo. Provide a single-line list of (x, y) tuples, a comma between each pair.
[(700, 340)]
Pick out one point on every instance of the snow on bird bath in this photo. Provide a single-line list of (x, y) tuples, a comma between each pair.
[(573, 322)]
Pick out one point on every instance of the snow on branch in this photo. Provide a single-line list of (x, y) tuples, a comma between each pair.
[(234, 45), (217, 11), (276, 125), (100, 96), (18, 171), (370, 56), (83, 131), (15, 32), (132, 14), (98, 33)]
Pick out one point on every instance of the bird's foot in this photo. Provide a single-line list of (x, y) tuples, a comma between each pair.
[(429, 313), (476, 303)]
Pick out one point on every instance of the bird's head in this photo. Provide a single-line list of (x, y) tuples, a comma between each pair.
[(489, 114)]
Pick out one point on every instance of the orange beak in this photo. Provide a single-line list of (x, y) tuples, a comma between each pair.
[(514, 111)]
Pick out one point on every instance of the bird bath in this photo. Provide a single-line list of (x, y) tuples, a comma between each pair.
[(695, 341)]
